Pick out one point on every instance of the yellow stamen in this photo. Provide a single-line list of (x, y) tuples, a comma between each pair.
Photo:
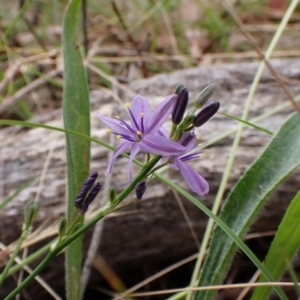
[(128, 105), (207, 150), (118, 136), (116, 117), (108, 131), (197, 138), (138, 132), (201, 155), (200, 145)]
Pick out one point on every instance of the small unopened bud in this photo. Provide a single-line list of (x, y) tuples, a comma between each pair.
[(206, 113), (87, 185), (85, 198), (91, 196), (140, 189), (204, 96), (188, 121), (180, 106), (112, 196), (31, 211), (179, 88), (62, 227)]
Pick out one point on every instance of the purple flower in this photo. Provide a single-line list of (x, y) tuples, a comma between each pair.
[(196, 182), (144, 132)]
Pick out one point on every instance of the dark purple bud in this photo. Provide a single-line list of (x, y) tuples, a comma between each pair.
[(91, 196), (206, 113), (180, 106), (140, 189), (87, 185)]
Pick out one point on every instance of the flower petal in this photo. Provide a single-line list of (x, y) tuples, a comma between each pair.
[(196, 182), (188, 140), (157, 144), (163, 132), (140, 106), (115, 124), (134, 151), (160, 115), (121, 148)]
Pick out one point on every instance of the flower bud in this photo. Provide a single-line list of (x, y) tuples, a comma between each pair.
[(188, 121), (140, 189), (31, 211), (91, 196), (85, 198), (206, 113), (62, 227), (112, 196), (87, 185), (204, 96), (179, 88), (180, 106)]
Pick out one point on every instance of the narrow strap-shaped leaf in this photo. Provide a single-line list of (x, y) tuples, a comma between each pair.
[(247, 198), (76, 114), (248, 123), (284, 246)]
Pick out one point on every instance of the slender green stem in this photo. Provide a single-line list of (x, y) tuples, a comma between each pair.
[(173, 129), (158, 167), (13, 256), (35, 272), (31, 258)]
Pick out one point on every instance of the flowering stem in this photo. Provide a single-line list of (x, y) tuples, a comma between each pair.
[(60, 246), (143, 174), (159, 167), (173, 129), (12, 257)]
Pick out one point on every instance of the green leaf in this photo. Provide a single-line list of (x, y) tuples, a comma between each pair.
[(248, 123), (247, 199), (226, 229), (284, 246), (76, 114)]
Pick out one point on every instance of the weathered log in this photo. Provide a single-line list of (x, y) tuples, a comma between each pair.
[(154, 230)]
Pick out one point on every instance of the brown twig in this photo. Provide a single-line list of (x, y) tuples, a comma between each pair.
[(261, 55), (130, 38)]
